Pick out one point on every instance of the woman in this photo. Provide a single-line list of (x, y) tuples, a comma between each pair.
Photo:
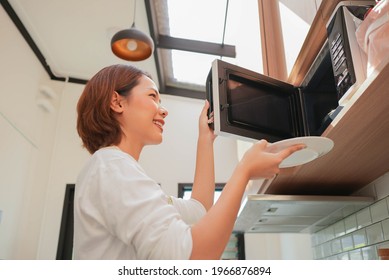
[(121, 213)]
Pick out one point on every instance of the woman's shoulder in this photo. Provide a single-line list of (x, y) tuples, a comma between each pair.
[(112, 153), (109, 159), (113, 158), (110, 166)]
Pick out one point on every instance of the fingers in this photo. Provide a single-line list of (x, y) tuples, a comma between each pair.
[(262, 144), (205, 107), (204, 112), (290, 150), (211, 119), (205, 121)]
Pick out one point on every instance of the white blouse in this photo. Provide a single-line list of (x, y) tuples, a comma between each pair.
[(121, 213)]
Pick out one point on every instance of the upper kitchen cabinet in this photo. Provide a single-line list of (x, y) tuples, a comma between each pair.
[(360, 131)]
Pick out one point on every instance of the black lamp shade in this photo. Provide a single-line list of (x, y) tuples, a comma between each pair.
[(132, 44)]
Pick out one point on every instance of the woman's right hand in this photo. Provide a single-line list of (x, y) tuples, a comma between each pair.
[(259, 162)]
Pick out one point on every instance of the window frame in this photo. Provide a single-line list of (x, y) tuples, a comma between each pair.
[(274, 61)]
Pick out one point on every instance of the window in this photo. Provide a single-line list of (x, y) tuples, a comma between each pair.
[(65, 241), (235, 247), (185, 190), (190, 34)]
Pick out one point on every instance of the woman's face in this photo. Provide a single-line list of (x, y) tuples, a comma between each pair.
[(143, 116)]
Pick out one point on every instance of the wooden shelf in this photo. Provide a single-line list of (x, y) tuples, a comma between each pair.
[(360, 133)]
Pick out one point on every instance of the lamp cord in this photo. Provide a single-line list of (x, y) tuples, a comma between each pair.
[(225, 22), (133, 18)]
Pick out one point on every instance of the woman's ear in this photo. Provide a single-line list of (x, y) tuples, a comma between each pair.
[(115, 103)]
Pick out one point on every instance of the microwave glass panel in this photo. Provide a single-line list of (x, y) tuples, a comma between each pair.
[(259, 107)]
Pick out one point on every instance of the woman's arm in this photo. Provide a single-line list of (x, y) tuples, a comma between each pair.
[(204, 179), (210, 235)]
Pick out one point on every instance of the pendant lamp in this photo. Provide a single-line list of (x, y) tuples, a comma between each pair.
[(132, 44)]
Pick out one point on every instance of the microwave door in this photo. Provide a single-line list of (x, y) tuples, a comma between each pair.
[(252, 106), (268, 111), (209, 97)]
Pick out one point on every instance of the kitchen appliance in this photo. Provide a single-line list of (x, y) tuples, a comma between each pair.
[(266, 213), (349, 61), (252, 106)]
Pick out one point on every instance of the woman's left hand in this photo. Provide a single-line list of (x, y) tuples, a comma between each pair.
[(204, 129)]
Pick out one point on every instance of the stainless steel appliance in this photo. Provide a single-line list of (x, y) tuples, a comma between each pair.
[(348, 60)]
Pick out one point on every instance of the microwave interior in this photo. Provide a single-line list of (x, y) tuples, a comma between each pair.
[(255, 106)]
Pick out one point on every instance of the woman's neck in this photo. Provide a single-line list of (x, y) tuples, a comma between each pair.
[(132, 150)]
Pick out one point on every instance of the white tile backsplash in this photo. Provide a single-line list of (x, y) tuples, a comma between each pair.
[(347, 242), (336, 246), (374, 234), (363, 218), (339, 229), (326, 249), (385, 228), (382, 186), (359, 238), (387, 202), (350, 223), (383, 245), (369, 253), (329, 233), (356, 254), (359, 235), (343, 256), (379, 211)]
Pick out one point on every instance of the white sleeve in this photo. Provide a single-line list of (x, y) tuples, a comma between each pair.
[(134, 208), (191, 210)]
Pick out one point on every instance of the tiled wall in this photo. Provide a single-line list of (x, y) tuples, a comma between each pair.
[(361, 234)]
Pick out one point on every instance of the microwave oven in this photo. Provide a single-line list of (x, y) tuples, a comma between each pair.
[(348, 60), (251, 106)]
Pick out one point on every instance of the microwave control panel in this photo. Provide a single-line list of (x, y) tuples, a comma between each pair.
[(343, 78), (339, 40)]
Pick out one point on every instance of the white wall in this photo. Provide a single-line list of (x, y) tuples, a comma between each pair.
[(278, 246), (24, 153)]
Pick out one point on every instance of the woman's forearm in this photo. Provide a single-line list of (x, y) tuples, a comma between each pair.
[(204, 178), (210, 235)]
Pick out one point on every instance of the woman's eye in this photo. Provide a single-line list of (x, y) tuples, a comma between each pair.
[(154, 96)]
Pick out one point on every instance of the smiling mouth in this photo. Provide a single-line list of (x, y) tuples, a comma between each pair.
[(159, 124)]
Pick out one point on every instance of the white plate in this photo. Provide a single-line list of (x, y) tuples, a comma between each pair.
[(316, 147)]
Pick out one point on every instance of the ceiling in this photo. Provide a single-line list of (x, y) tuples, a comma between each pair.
[(73, 36)]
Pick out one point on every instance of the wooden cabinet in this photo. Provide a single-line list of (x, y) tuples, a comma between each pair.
[(360, 132)]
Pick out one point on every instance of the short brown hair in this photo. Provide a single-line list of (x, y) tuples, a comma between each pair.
[(96, 122)]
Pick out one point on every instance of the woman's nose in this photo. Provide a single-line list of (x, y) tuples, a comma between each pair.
[(163, 111)]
